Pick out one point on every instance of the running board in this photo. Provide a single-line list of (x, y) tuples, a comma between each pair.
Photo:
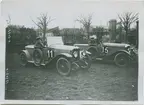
[(106, 60), (33, 63), (99, 59)]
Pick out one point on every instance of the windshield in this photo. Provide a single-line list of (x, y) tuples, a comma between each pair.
[(54, 40)]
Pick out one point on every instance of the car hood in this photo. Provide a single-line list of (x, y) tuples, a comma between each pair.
[(63, 47), (116, 44)]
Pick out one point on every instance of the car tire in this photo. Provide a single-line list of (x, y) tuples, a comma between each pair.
[(121, 60), (87, 60), (23, 59), (37, 57), (63, 66)]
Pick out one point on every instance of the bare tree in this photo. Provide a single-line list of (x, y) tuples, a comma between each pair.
[(42, 23), (86, 22), (127, 19)]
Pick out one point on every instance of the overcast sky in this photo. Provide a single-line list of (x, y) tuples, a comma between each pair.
[(65, 11)]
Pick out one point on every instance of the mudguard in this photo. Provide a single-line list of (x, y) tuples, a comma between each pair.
[(27, 54), (91, 47), (123, 51), (66, 55), (87, 52), (58, 56)]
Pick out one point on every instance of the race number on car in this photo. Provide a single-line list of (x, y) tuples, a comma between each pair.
[(50, 53)]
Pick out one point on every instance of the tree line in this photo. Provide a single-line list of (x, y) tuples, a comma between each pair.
[(20, 35), (126, 20)]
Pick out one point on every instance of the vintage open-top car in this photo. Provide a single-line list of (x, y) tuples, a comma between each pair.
[(65, 57), (122, 54)]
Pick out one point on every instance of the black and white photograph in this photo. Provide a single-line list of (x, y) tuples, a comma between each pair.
[(71, 50)]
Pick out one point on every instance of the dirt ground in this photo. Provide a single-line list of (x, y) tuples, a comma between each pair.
[(102, 82)]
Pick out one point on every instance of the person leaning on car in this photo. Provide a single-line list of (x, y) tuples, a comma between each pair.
[(40, 44)]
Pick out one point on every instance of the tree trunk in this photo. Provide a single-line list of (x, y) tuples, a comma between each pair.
[(126, 36), (88, 35), (44, 34)]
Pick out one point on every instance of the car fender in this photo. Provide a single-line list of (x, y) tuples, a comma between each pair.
[(91, 47), (87, 52), (122, 51), (66, 55), (27, 54)]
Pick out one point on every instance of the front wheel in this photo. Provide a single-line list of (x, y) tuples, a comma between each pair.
[(86, 62), (63, 66), (121, 60)]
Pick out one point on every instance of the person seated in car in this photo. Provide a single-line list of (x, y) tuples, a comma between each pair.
[(99, 45), (97, 42), (93, 40)]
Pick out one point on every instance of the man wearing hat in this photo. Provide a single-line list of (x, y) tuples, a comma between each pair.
[(93, 40), (97, 42), (41, 45)]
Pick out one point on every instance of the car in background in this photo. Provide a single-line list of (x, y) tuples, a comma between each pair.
[(121, 54)]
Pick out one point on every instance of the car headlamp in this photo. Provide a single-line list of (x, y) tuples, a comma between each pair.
[(128, 49), (132, 49), (75, 54), (83, 53)]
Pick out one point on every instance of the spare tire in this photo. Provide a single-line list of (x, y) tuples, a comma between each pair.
[(37, 57)]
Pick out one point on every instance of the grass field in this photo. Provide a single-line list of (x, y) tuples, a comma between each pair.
[(102, 82)]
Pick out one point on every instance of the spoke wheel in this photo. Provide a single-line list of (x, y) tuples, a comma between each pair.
[(121, 60), (63, 66)]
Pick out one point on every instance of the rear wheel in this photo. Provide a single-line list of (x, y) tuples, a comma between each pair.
[(121, 60), (23, 59), (63, 66)]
